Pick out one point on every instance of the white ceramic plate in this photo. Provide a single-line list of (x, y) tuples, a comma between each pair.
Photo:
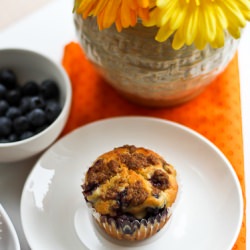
[(8, 235), (208, 213)]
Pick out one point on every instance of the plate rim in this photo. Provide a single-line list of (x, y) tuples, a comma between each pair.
[(147, 119)]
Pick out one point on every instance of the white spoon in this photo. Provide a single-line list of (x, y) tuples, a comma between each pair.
[(8, 236)]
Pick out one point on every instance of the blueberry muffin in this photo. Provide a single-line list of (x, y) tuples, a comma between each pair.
[(130, 190)]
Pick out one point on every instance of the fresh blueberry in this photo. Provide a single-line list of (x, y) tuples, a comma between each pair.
[(3, 91), (12, 138), (25, 104), (49, 89), (25, 135), (13, 97), (36, 102), (41, 128), (21, 124), (13, 112), (3, 107), (37, 117), (30, 88), (8, 78), (4, 140), (52, 110), (5, 126)]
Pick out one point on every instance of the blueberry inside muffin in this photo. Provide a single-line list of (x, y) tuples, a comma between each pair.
[(131, 190)]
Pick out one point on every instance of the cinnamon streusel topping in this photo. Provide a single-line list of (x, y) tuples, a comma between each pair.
[(130, 180)]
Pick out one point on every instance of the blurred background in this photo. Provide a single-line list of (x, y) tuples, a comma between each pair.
[(12, 10)]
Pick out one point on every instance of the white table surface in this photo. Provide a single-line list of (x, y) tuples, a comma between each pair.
[(47, 30)]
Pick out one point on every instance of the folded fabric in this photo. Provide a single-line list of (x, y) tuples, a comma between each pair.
[(215, 113)]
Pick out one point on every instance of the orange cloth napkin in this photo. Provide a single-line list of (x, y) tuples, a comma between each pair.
[(215, 113)]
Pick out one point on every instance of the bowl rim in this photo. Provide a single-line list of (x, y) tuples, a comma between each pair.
[(66, 103)]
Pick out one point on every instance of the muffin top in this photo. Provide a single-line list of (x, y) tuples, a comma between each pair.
[(130, 180)]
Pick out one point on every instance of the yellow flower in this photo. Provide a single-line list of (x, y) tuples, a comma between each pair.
[(123, 13), (198, 21)]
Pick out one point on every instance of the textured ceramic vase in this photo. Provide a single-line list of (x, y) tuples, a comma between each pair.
[(146, 71)]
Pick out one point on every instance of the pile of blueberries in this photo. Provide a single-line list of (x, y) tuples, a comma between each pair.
[(27, 109)]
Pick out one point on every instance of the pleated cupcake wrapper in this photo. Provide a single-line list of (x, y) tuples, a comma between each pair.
[(137, 229), (131, 230)]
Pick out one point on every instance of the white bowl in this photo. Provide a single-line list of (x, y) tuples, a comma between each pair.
[(30, 65)]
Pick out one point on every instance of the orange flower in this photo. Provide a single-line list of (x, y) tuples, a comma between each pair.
[(123, 13), (198, 22)]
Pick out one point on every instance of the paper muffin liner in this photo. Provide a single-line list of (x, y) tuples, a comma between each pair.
[(123, 228)]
